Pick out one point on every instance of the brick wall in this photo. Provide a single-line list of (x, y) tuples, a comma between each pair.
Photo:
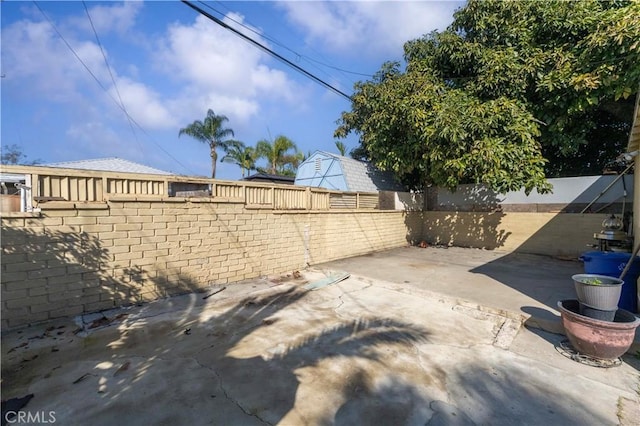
[(83, 257), (553, 234)]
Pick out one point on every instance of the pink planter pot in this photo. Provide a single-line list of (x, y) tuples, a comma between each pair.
[(597, 338)]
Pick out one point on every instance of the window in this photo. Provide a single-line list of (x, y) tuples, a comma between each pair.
[(15, 190)]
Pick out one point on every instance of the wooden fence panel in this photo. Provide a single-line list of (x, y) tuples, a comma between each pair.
[(290, 199), (95, 186), (320, 201), (229, 191), (343, 201), (259, 196)]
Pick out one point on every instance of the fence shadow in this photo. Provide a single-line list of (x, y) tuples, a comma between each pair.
[(551, 226), (73, 272), (564, 234)]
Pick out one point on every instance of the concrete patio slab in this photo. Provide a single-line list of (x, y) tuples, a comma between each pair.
[(364, 350), (520, 283)]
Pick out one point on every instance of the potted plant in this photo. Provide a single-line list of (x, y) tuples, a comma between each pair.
[(595, 338), (598, 295)]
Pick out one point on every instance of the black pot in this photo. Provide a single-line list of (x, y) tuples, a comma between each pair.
[(598, 314)]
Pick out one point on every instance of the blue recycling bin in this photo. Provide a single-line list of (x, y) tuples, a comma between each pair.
[(612, 264)]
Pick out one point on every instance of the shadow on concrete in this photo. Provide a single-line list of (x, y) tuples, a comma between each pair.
[(542, 278), (254, 357), (543, 319), (267, 384), (523, 272), (395, 402), (555, 339), (508, 396), (477, 394)]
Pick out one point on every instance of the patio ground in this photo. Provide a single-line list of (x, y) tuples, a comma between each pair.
[(413, 336)]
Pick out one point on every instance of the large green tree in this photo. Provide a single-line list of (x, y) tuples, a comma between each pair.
[(281, 154), (212, 132), (509, 85), (243, 156)]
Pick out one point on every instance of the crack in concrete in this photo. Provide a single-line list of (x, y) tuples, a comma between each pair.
[(342, 302), (507, 332), (369, 285), (445, 413), (215, 373), (423, 368), (335, 310), (418, 354), (226, 394)]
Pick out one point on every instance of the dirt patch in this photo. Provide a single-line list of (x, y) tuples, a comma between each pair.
[(296, 277)]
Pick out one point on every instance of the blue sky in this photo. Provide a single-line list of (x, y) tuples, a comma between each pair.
[(170, 65)]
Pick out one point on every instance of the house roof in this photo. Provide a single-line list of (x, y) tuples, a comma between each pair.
[(361, 176), (112, 164), (270, 178)]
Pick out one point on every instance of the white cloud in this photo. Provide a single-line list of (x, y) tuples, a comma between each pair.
[(37, 62), (32, 53), (190, 106), (220, 70), (94, 139), (119, 18), (90, 131), (143, 104), (202, 66), (373, 28)]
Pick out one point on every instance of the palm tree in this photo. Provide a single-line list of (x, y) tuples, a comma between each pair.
[(277, 153), (291, 163), (212, 133), (241, 155), (342, 148)]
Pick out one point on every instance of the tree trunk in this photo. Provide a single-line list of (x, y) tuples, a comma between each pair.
[(214, 159)]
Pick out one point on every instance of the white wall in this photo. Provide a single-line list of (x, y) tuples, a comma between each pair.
[(582, 189), (404, 201)]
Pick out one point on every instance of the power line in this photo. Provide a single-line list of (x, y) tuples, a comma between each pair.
[(71, 48), (269, 51), (105, 89), (275, 41), (337, 68), (115, 85), (298, 55)]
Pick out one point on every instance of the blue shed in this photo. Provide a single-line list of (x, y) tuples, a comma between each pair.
[(331, 171)]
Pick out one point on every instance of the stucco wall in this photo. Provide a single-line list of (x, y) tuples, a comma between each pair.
[(84, 257), (571, 194)]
